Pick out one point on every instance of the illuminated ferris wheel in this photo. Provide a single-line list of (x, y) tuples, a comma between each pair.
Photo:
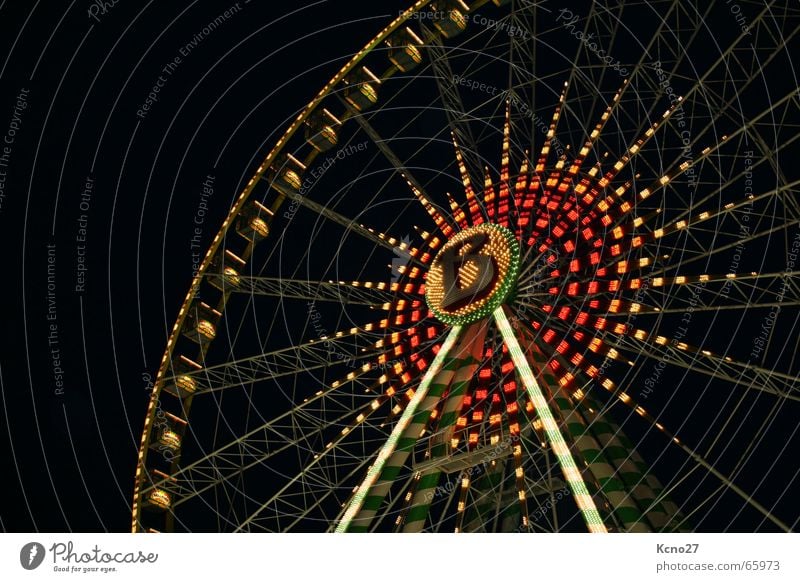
[(515, 268)]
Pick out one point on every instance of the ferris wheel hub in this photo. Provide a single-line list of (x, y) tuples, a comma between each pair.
[(473, 274)]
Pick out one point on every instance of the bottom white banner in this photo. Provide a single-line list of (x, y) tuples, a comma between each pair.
[(399, 557)]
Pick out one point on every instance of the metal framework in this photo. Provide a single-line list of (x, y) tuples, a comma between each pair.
[(659, 220)]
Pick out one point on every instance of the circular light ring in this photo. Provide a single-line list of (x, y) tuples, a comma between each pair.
[(466, 249)]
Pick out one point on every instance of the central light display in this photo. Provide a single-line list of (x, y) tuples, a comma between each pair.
[(473, 274)]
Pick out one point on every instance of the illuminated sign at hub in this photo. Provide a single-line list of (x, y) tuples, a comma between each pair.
[(473, 274)]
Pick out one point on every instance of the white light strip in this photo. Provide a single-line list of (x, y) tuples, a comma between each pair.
[(388, 448), (571, 473)]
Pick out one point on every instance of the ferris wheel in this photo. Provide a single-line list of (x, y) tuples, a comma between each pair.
[(515, 268)]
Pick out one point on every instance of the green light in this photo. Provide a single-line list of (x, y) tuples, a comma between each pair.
[(571, 473)]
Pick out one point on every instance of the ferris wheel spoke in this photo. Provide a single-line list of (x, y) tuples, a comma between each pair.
[(623, 240), (703, 83), (457, 117), (400, 428), (309, 356), (277, 436), (556, 225), (782, 191), (620, 208), (349, 225), (697, 292), (322, 479), (264, 442), (384, 147), (270, 439), (282, 504), (742, 241), (346, 293), (703, 362), (735, 377)]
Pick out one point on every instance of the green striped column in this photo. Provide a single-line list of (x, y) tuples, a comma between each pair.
[(601, 465), (429, 480), (368, 497), (674, 516), (617, 448)]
